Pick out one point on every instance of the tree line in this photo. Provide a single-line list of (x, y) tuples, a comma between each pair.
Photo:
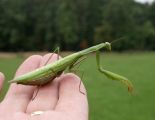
[(30, 25)]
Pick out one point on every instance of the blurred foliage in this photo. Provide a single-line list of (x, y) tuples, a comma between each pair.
[(30, 25)]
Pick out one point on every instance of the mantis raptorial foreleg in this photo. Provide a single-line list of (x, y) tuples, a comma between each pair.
[(112, 75), (57, 50)]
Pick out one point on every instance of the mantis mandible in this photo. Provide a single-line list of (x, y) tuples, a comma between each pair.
[(45, 74)]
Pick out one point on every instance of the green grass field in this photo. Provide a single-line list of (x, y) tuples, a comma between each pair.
[(109, 100)]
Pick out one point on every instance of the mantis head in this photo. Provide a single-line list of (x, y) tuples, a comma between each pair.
[(108, 45)]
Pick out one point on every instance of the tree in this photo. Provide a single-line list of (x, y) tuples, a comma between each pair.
[(151, 13), (67, 22), (118, 21)]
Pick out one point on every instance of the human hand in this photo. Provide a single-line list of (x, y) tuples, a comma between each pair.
[(58, 100)]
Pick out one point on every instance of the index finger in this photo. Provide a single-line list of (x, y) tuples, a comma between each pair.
[(18, 96)]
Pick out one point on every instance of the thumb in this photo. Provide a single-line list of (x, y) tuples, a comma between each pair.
[(2, 77)]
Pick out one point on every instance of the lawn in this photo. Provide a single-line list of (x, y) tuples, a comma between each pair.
[(109, 100)]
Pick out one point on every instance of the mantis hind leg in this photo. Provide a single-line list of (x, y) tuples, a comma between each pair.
[(72, 69), (82, 74), (57, 50), (36, 93), (76, 63)]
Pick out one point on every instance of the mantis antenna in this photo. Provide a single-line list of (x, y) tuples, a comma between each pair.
[(117, 40)]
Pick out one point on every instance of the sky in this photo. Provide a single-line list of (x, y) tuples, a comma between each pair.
[(145, 1)]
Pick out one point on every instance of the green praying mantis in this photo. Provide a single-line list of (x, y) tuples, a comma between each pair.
[(47, 73)]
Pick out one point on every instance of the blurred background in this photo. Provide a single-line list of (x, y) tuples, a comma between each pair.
[(27, 26), (75, 25)]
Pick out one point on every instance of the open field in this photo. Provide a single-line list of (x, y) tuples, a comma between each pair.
[(108, 99)]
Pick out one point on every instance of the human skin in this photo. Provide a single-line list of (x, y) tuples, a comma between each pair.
[(59, 100)]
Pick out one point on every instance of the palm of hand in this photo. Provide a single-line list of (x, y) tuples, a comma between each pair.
[(58, 100)]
